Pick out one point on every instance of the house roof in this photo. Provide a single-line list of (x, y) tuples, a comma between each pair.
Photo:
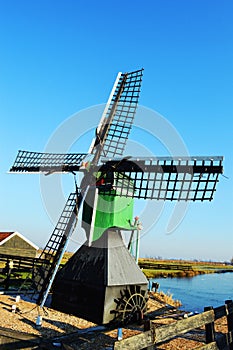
[(5, 236)]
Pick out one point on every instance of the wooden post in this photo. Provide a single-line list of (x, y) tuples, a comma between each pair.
[(209, 328), (229, 305), (148, 326)]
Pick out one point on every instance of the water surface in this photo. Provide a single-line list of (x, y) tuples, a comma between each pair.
[(197, 292)]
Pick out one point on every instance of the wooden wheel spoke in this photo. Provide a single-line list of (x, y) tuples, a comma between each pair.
[(132, 305), (133, 301)]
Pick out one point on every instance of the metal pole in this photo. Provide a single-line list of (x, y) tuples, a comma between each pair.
[(137, 239)]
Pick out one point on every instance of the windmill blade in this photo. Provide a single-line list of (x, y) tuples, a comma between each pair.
[(55, 248), (118, 116), (36, 162), (187, 178)]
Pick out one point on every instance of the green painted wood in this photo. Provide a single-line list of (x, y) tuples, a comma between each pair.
[(111, 211)]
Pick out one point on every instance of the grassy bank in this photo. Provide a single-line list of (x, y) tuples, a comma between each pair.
[(153, 268)]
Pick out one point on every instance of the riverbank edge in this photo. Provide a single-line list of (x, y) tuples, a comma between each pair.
[(169, 268)]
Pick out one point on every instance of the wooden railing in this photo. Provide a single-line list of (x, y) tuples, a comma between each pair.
[(153, 336)]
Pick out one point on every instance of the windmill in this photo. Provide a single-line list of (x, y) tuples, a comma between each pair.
[(101, 282)]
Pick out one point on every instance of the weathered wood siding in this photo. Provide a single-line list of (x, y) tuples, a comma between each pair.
[(17, 246)]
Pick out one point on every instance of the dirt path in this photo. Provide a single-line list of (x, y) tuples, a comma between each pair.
[(72, 333)]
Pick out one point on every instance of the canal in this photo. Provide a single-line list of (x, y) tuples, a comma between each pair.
[(197, 292)]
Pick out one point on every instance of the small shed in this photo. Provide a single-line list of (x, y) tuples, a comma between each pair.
[(14, 243)]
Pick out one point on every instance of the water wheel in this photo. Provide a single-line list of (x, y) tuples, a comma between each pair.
[(131, 306)]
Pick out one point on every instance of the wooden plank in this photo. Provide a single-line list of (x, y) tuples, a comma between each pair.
[(220, 311), (13, 344), (10, 333), (11, 340), (169, 331), (136, 342), (224, 341), (210, 346), (165, 332), (225, 310)]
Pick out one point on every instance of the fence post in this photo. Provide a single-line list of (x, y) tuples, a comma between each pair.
[(148, 326), (33, 268), (209, 328), (229, 306)]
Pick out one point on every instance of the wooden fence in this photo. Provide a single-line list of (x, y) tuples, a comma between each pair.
[(153, 336), (22, 263), (158, 266)]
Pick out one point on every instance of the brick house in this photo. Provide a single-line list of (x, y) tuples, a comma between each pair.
[(14, 243)]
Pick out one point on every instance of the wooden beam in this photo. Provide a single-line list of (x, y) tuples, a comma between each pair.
[(16, 335), (169, 331), (210, 346), (136, 342)]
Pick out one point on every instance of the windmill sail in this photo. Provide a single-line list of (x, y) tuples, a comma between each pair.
[(54, 249), (116, 122), (36, 162), (187, 178), (111, 134)]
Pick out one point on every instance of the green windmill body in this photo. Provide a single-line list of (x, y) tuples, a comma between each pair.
[(101, 212)]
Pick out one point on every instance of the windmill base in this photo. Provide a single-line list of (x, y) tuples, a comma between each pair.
[(97, 280)]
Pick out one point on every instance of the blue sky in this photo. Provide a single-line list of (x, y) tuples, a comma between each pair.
[(60, 57)]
